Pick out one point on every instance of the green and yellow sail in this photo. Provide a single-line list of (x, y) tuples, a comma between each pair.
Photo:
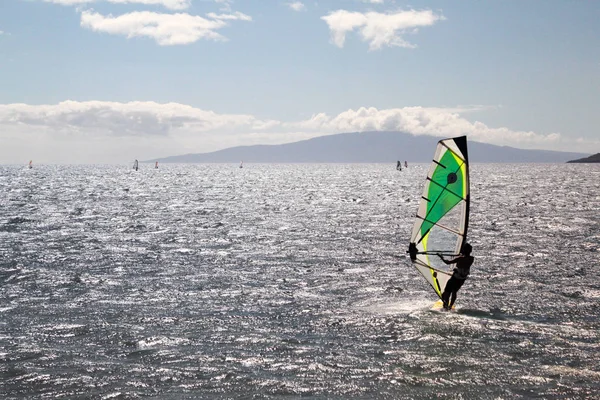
[(443, 215)]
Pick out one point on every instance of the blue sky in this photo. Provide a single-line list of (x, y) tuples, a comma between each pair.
[(112, 80)]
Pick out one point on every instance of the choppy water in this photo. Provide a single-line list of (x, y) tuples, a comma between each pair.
[(289, 281)]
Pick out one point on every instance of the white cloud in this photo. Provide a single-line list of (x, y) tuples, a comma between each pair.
[(166, 29), (378, 29), (233, 17), (225, 4), (73, 131), (69, 2), (297, 6), (121, 119), (423, 121), (101, 131), (170, 4)]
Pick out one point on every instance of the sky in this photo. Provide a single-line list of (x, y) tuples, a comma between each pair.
[(109, 81)]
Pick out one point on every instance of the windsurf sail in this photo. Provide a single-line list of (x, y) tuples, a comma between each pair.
[(241, 164), (135, 165), (156, 165), (30, 164), (443, 216)]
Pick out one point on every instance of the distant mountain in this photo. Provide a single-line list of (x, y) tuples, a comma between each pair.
[(366, 147), (591, 159)]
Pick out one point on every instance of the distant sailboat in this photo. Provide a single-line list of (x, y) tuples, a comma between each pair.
[(135, 165), (405, 164), (156, 165), (241, 164), (30, 164), (399, 165)]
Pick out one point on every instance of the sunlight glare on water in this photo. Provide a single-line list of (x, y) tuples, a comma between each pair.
[(291, 280)]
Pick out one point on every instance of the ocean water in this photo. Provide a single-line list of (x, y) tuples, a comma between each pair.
[(291, 281)]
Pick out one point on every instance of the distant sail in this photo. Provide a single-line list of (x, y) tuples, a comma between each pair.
[(405, 164), (443, 215), (156, 165), (30, 164), (398, 165), (241, 164), (135, 165)]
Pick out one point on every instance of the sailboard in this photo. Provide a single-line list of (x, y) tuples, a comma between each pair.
[(439, 306), (156, 165), (442, 218), (30, 164), (135, 165)]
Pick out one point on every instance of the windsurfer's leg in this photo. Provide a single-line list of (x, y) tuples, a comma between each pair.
[(452, 299), (455, 290), (447, 291), (445, 296)]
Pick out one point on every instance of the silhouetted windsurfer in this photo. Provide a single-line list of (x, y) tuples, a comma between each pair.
[(463, 267)]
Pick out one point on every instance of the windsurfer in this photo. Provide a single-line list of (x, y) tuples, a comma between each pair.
[(463, 267)]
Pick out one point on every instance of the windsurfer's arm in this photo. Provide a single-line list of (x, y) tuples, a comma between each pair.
[(448, 262)]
